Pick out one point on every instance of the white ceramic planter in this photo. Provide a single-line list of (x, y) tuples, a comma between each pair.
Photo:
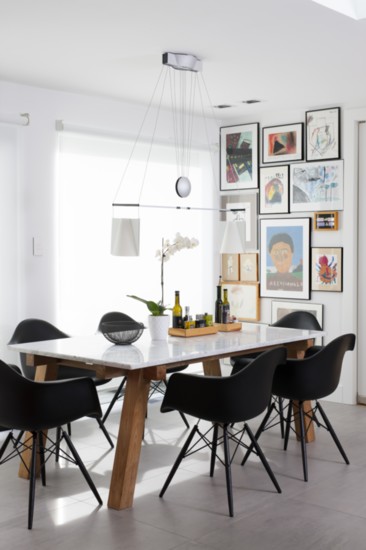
[(158, 326)]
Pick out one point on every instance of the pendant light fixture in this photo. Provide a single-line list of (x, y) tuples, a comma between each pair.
[(181, 72)]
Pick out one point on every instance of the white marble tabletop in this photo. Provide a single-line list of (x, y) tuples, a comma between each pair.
[(95, 349)]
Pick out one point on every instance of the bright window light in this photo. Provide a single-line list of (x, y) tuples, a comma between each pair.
[(352, 8)]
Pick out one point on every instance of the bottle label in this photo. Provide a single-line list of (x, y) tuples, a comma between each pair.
[(177, 321)]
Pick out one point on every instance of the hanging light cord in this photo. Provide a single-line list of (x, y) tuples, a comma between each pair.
[(182, 117), (139, 133)]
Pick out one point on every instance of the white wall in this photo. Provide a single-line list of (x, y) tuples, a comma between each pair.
[(34, 283)]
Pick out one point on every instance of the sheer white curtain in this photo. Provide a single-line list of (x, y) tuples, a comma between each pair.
[(92, 281)]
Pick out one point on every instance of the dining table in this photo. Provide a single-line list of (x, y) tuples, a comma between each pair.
[(147, 360)]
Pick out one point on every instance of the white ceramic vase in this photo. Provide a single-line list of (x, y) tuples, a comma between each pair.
[(158, 326)]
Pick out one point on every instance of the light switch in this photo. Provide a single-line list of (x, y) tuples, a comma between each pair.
[(37, 246)]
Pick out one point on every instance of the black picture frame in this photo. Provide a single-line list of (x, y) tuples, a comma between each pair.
[(239, 157), (323, 134), (274, 189), (283, 143)]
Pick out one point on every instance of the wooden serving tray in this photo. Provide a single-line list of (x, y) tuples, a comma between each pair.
[(227, 327), (188, 332)]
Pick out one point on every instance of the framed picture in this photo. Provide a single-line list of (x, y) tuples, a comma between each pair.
[(244, 300), (316, 186), (283, 143), (279, 309), (248, 201), (327, 269), (274, 190), (248, 267), (323, 134), (326, 221), (230, 267), (285, 258), (239, 157)]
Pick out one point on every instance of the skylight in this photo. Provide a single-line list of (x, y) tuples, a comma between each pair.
[(352, 8)]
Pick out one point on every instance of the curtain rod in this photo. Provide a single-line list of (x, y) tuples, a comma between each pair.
[(19, 119)]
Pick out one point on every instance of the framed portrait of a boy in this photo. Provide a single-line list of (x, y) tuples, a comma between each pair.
[(285, 258)]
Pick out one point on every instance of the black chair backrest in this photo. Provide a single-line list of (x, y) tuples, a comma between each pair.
[(227, 399), (34, 330), (114, 316), (14, 397), (298, 319), (316, 376)]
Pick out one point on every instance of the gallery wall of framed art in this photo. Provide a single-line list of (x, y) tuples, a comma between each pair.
[(295, 171)]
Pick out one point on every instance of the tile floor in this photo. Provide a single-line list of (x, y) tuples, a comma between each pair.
[(328, 512)]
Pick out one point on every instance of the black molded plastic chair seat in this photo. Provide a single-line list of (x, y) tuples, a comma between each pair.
[(36, 330), (311, 379), (296, 319), (38, 406), (223, 401)]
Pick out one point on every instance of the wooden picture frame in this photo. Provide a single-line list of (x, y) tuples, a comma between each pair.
[(283, 143), (327, 269), (239, 157), (323, 133), (285, 258), (230, 267), (244, 300), (326, 221), (280, 308), (274, 189), (316, 186), (248, 267), (249, 201)]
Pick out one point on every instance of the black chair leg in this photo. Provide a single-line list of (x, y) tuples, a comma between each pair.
[(183, 417), (42, 458), (5, 444), (32, 480), (332, 433), (83, 470), (288, 425), (108, 437), (178, 460), (116, 396), (229, 485), (58, 441), (214, 449), (303, 441), (18, 438), (258, 432), (282, 420), (69, 429), (263, 458)]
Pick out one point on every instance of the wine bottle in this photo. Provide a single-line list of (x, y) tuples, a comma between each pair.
[(225, 308), (218, 305), (177, 312)]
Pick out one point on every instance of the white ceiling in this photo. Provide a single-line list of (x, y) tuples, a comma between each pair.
[(289, 53)]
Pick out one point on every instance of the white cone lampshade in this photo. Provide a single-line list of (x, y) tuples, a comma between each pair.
[(125, 237)]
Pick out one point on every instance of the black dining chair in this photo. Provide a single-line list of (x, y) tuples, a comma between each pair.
[(35, 330), (223, 401), (157, 386), (310, 379), (296, 319), (35, 407)]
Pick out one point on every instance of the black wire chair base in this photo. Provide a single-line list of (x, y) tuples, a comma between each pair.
[(36, 444), (213, 443)]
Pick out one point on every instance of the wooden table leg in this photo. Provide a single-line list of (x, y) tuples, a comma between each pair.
[(212, 368), (43, 372), (126, 459)]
